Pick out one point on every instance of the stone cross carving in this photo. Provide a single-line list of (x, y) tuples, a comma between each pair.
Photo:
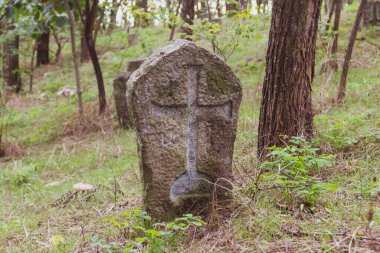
[(184, 102), (192, 181)]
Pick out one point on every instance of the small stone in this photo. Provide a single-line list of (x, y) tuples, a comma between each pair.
[(83, 187)]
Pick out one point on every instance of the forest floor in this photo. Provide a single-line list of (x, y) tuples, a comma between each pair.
[(49, 150)]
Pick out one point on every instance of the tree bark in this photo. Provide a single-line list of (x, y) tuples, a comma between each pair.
[(350, 48), (90, 14), (84, 52), (329, 6), (75, 58), (231, 8), (330, 14), (32, 68), (142, 4), (286, 97), (43, 48), (334, 47), (11, 65), (187, 15)]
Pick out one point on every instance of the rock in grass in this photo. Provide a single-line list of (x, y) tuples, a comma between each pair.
[(83, 187)]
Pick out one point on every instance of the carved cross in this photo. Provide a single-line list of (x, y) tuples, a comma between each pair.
[(188, 183)]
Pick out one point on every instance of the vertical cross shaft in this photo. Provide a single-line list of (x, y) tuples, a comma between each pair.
[(192, 80)]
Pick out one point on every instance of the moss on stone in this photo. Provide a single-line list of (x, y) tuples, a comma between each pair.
[(216, 84), (168, 91)]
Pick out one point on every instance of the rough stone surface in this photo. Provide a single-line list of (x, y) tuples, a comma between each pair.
[(120, 89), (184, 102)]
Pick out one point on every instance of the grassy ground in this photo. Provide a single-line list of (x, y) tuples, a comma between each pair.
[(40, 211)]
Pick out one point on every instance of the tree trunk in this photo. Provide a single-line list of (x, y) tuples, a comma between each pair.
[(84, 52), (330, 14), (286, 97), (187, 15), (350, 48), (43, 48), (243, 4), (11, 68), (75, 58), (230, 9), (113, 14), (172, 28), (334, 47), (32, 68), (258, 3), (329, 6), (58, 53), (90, 14), (218, 8), (139, 21)]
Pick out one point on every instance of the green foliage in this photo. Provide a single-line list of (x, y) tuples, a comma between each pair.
[(297, 168), (225, 39), (143, 234), (325, 33)]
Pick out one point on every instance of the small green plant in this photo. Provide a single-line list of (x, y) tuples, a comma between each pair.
[(297, 169), (143, 234)]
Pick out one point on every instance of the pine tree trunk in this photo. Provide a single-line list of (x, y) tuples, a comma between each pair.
[(11, 65), (350, 48), (89, 22), (334, 47), (187, 15), (286, 97), (43, 48)]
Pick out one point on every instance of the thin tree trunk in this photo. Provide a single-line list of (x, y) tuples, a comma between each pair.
[(330, 14), (334, 47), (90, 14), (32, 68), (11, 65), (43, 48), (75, 58), (187, 15), (60, 45), (113, 14), (173, 26), (210, 19), (350, 48), (218, 8), (142, 4), (286, 101), (258, 3)]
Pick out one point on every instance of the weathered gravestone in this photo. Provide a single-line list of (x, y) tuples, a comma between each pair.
[(120, 89), (184, 102)]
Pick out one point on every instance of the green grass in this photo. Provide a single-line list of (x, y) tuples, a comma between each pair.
[(34, 186)]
